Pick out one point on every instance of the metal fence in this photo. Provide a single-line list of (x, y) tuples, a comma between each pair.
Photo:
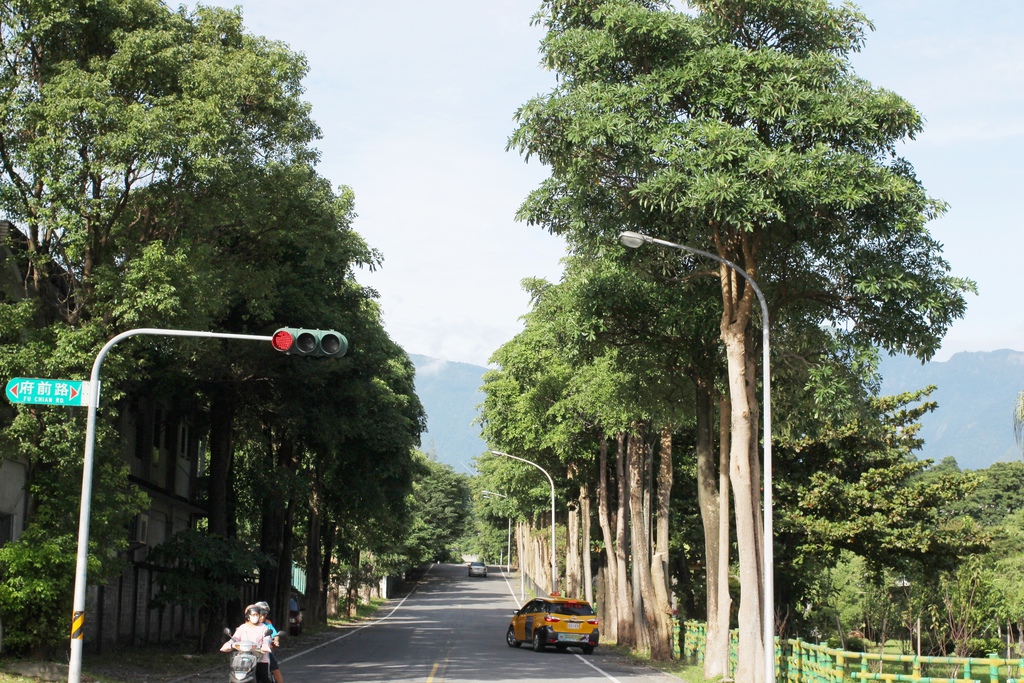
[(798, 661)]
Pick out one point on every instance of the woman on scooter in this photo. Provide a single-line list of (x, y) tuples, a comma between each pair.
[(253, 631), (275, 635)]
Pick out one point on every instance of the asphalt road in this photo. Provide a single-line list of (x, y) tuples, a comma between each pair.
[(452, 629)]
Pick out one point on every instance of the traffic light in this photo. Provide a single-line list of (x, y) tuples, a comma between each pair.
[(298, 342)]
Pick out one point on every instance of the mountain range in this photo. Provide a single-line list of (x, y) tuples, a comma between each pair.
[(972, 423), (975, 392), (450, 393)]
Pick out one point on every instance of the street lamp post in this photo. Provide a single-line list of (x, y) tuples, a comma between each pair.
[(508, 550), (554, 571), (634, 240)]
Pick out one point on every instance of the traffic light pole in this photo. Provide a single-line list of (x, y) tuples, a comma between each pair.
[(78, 615)]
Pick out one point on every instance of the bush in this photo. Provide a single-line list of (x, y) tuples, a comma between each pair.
[(853, 644), (982, 647), (35, 592)]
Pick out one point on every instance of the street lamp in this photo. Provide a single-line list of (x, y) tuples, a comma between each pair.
[(554, 571), (634, 240), (508, 550)]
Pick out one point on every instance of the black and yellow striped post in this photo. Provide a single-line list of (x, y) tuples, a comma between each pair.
[(78, 626)]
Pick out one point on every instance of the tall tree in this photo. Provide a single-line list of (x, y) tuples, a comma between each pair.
[(158, 169), (741, 129)]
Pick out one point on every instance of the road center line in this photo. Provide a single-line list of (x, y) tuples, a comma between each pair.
[(430, 678)]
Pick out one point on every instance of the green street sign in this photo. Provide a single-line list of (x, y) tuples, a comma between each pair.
[(52, 392)]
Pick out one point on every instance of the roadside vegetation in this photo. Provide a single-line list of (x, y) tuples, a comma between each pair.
[(158, 169)]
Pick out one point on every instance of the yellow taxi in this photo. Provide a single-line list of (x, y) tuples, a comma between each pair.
[(555, 621)]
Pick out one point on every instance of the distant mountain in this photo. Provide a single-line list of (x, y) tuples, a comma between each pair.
[(973, 422), (976, 391), (450, 393)]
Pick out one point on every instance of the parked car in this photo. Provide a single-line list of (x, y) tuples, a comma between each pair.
[(478, 569), (294, 617), (556, 621)]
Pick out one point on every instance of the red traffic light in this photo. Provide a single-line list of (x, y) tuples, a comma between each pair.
[(283, 340)]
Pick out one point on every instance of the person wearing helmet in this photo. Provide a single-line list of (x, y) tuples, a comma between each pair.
[(275, 667), (254, 630)]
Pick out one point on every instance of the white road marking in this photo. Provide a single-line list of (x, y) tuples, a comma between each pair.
[(598, 669), (346, 634)]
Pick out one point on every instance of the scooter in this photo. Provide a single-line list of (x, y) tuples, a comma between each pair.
[(244, 660)]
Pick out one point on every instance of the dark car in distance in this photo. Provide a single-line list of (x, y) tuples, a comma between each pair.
[(294, 617)]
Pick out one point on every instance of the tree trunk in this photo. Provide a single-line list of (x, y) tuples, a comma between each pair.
[(709, 491), (659, 647), (276, 536), (283, 589), (544, 556), (609, 605), (352, 593), (314, 592), (329, 533), (659, 558), (222, 412), (624, 589), (588, 570), (573, 567), (743, 474)]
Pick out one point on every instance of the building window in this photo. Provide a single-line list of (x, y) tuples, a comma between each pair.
[(159, 433), (183, 451), (6, 528), (140, 431)]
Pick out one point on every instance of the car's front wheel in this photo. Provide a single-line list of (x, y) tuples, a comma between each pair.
[(510, 638), (538, 642)]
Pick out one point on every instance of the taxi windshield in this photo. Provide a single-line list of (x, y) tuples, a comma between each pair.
[(573, 609)]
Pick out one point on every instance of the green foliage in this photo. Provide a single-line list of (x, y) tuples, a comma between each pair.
[(440, 514), (983, 647), (37, 574), (968, 601), (742, 124), (851, 644), (857, 488), (999, 494), (1008, 575), (200, 571)]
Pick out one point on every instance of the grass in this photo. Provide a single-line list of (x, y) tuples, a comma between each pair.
[(145, 662), (691, 673), (363, 612), (11, 678)]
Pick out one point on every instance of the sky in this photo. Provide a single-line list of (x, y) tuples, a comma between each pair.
[(416, 101)]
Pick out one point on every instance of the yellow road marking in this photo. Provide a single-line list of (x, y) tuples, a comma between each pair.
[(430, 678)]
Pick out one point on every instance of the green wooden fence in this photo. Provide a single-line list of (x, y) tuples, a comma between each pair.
[(799, 661)]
